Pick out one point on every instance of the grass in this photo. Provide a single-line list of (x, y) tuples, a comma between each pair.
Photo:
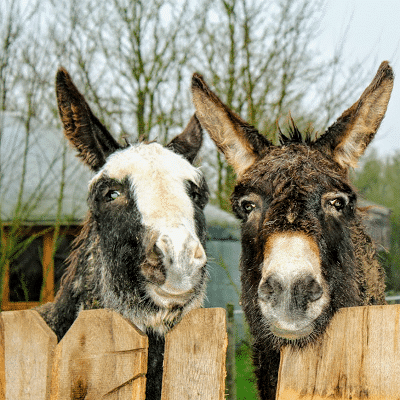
[(246, 388)]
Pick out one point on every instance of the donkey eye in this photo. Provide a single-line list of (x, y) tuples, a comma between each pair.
[(112, 195), (194, 195), (338, 203), (248, 206)]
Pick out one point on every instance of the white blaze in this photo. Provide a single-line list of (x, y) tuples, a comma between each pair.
[(158, 177)]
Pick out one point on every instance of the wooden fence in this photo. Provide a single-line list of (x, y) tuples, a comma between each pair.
[(359, 358), (103, 356)]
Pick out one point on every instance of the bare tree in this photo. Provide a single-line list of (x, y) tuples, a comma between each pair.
[(129, 56), (29, 155), (13, 19), (261, 59)]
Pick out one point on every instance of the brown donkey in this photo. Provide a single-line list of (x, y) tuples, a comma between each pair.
[(304, 251)]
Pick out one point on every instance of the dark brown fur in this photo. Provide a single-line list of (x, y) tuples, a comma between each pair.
[(299, 189)]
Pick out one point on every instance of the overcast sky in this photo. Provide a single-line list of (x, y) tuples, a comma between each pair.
[(374, 36)]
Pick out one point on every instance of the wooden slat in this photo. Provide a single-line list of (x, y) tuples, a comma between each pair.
[(359, 358), (230, 354), (194, 358), (48, 267), (2, 363), (28, 353), (19, 305), (101, 356)]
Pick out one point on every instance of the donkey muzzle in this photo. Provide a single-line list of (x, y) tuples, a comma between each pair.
[(292, 292), (178, 259)]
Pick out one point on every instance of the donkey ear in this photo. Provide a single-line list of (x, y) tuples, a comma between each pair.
[(188, 143), (89, 136), (240, 142), (347, 139)]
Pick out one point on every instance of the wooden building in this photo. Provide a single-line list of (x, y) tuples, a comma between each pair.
[(377, 223), (43, 191)]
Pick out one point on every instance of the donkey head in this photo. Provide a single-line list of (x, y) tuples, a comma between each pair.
[(298, 212), (146, 232)]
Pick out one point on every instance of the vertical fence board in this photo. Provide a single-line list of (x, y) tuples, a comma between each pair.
[(230, 354), (28, 354), (359, 358), (2, 363), (101, 356), (194, 358)]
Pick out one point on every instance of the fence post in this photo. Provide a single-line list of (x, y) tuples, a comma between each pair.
[(230, 354), (102, 355), (194, 358), (28, 345), (358, 358)]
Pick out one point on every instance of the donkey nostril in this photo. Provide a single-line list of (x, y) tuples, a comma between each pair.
[(152, 268), (315, 291), (307, 290), (199, 252), (156, 250), (155, 254), (271, 287)]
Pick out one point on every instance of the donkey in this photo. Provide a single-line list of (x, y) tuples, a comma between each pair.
[(304, 251), (141, 250)]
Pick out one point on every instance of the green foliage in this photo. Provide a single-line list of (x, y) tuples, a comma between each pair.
[(15, 241), (367, 179), (246, 387), (391, 260), (378, 180)]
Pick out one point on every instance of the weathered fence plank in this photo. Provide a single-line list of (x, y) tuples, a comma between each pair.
[(101, 356), (194, 358), (28, 354), (2, 363), (359, 358), (230, 354)]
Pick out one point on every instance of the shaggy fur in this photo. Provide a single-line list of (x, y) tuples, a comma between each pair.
[(298, 193), (141, 250)]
